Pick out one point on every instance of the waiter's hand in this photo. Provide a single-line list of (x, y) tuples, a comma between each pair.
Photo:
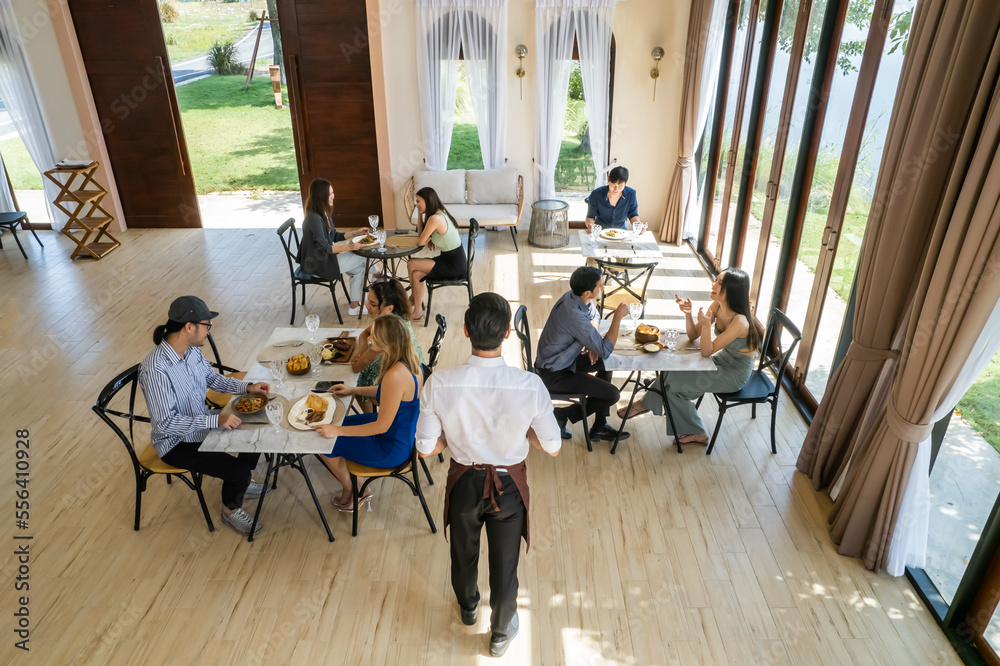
[(590, 223), (229, 421)]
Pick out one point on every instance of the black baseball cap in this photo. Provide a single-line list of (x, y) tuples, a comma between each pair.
[(189, 309)]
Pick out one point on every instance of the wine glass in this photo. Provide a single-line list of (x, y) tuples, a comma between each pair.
[(635, 311), (595, 232), (380, 239), (373, 222), (315, 356), (312, 323), (670, 339), (275, 413), (277, 368)]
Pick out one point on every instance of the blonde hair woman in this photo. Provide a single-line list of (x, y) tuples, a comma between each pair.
[(384, 439)]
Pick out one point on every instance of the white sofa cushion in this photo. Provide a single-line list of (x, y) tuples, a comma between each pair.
[(492, 215), (449, 185), (492, 186)]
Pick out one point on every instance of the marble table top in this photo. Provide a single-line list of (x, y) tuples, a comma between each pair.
[(626, 358), (643, 247), (282, 440)]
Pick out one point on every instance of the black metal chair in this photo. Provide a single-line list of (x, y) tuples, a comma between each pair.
[(760, 389), (528, 363), (214, 399), (624, 282), (372, 473), (11, 221), (466, 282), (435, 349), (299, 276), (147, 463)]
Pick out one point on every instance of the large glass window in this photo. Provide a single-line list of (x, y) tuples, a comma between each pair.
[(465, 152)]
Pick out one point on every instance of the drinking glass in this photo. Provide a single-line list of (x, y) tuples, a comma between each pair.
[(373, 222), (315, 356), (275, 412), (312, 323), (380, 238), (638, 228), (277, 368), (671, 339), (595, 232), (635, 311)]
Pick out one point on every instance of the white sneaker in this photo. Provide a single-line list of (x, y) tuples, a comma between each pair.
[(240, 521), (353, 311), (255, 489)]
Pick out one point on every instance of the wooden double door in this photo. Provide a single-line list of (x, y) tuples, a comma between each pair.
[(328, 69)]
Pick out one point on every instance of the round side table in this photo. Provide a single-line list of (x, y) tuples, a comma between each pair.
[(549, 223)]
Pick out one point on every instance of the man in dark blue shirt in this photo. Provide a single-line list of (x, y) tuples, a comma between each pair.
[(570, 348), (613, 206)]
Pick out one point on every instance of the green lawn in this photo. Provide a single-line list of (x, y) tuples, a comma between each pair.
[(22, 171), (980, 405), (237, 140), (202, 24), (465, 152)]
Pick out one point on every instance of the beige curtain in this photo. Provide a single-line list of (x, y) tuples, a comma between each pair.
[(946, 59), (956, 293), (683, 179)]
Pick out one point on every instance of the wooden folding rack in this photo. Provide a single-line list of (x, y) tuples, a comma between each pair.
[(72, 199)]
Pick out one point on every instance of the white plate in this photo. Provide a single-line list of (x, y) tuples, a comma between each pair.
[(616, 234), (297, 417)]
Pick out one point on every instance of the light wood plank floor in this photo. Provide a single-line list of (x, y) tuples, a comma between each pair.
[(645, 557)]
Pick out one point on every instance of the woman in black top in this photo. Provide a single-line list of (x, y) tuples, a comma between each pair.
[(319, 254)]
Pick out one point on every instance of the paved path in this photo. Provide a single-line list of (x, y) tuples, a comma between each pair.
[(195, 68)]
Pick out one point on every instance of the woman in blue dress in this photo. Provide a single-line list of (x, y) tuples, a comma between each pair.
[(384, 439), (732, 348)]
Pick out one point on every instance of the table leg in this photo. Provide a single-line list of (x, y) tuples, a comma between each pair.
[(631, 399), (365, 284), (322, 516), (670, 416), (270, 457)]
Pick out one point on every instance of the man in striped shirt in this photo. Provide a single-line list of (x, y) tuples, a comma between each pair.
[(174, 378)]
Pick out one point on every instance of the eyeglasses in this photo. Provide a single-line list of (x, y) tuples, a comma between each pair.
[(208, 325)]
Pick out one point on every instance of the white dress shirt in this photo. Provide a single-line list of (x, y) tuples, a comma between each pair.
[(485, 408)]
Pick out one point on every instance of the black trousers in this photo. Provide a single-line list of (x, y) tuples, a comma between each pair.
[(234, 472), (601, 393), (468, 511)]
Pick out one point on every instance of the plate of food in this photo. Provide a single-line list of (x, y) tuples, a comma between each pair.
[(615, 234), (645, 333), (298, 364), (249, 403), (652, 347), (313, 409), (338, 350), (367, 239)]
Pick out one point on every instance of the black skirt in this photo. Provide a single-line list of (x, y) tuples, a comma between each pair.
[(450, 265)]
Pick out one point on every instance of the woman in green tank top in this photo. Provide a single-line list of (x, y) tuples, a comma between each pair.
[(437, 228)]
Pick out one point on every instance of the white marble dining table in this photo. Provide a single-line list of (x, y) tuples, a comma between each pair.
[(642, 247), (282, 446)]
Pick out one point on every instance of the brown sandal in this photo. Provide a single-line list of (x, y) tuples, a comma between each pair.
[(638, 408)]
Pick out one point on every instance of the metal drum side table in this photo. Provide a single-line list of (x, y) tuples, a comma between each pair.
[(549, 223)]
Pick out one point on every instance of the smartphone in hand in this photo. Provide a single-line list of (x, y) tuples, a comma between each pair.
[(324, 386)]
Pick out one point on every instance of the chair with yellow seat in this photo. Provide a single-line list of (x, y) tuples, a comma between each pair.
[(214, 398), (372, 473), (624, 282), (147, 463)]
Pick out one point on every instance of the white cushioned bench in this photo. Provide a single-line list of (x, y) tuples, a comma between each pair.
[(495, 197)]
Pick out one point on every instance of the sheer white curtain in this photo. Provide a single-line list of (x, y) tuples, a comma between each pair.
[(18, 94), (593, 35), (484, 40), (706, 98), (909, 540), (438, 42), (555, 28)]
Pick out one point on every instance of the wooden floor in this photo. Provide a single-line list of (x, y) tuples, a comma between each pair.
[(645, 557)]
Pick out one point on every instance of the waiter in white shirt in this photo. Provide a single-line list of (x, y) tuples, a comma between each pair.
[(487, 412)]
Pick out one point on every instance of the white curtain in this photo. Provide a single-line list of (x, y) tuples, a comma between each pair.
[(18, 94), (438, 43), (556, 23), (706, 98), (593, 36), (484, 47), (909, 540)]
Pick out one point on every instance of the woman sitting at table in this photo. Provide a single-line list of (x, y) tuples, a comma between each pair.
[(737, 338), (385, 439), (613, 206), (319, 254), (384, 297), (437, 228)]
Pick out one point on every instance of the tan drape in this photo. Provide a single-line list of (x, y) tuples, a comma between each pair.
[(683, 179), (946, 58), (956, 294)]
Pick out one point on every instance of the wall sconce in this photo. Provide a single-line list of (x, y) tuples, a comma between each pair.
[(654, 73), (520, 51)]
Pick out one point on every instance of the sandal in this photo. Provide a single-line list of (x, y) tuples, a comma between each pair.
[(349, 506), (638, 408), (694, 439)]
